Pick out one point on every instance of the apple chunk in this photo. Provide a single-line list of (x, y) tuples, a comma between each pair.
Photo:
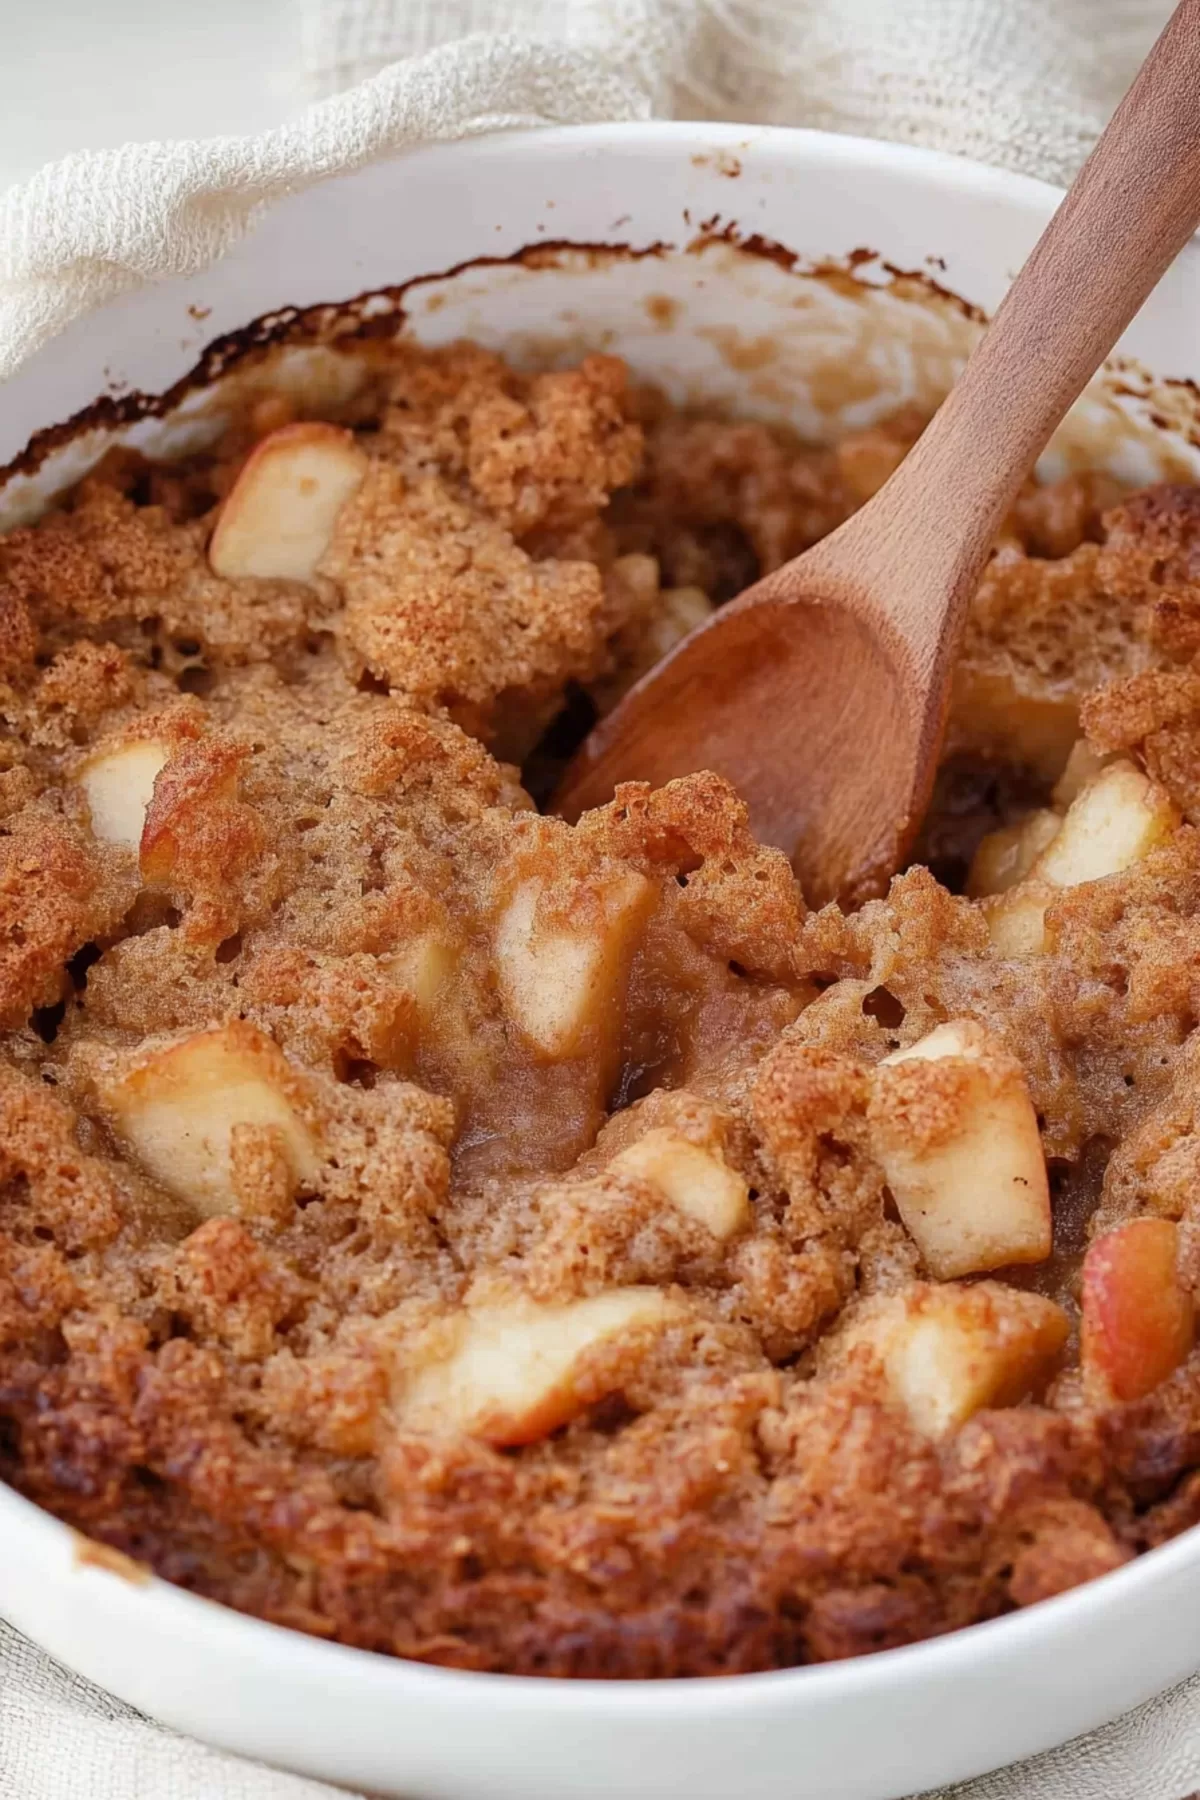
[(998, 714), (512, 1372), (696, 1181), (955, 1132), (118, 785), (559, 977), (947, 1352), (1138, 1319), (278, 518), (179, 1106), (1006, 857), (1016, 919), (1083, 766), (680, 611), (422, 966), (1116, 819)]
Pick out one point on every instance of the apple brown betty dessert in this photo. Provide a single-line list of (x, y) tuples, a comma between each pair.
[(559, 1249)]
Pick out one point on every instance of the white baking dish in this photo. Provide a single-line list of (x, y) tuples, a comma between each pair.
[(737, 326)]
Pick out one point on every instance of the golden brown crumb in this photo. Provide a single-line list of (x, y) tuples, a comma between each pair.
[(1151, 557), (463, 1235), (441, 604), (553, 457)]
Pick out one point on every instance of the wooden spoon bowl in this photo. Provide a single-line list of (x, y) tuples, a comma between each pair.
[(848, 776)]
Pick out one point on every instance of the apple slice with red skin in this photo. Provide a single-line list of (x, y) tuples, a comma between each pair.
[(1138, 1318)]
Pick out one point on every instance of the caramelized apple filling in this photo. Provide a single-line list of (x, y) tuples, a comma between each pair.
[(555, 1249)]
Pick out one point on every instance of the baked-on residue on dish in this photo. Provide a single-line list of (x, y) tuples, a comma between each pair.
[(557, 1250)]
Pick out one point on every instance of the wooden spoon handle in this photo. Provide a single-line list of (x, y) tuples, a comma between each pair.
[(1133, 206)]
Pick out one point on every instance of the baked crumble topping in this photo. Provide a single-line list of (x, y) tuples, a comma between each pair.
[(553, 1249)]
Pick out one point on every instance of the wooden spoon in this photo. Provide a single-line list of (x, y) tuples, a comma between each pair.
[(821, 692)]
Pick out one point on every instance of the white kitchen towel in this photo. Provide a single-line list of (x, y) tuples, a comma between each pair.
[(1022, 83)]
